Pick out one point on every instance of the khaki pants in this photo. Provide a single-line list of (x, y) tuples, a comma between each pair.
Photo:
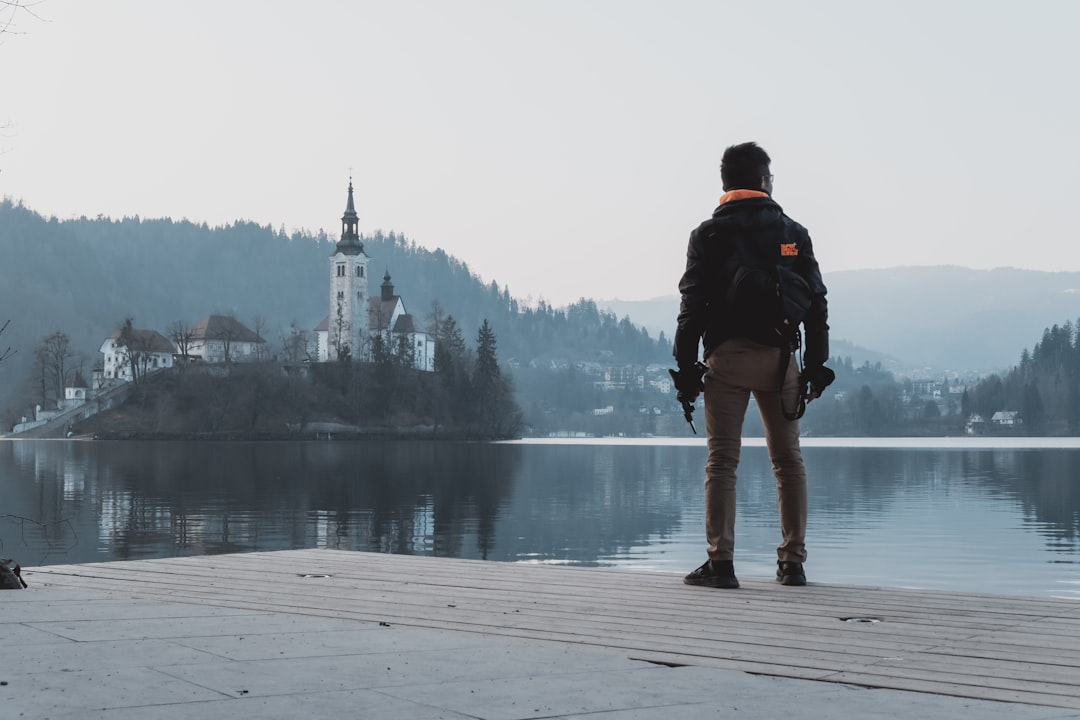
[(737, 368)]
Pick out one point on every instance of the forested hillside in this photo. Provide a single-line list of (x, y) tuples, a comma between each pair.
[(83, 276), (1044, 388), (1038, 397)]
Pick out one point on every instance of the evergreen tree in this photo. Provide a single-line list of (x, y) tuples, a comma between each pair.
[(497, 413), (1032, 410), (451, 394), (487, 363)]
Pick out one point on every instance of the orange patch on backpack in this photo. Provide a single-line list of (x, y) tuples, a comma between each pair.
[(788, 250)]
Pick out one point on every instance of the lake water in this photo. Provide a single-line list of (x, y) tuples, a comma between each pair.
[(999, 516)]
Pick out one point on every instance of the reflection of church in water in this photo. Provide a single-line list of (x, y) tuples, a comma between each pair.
[(358, 321)]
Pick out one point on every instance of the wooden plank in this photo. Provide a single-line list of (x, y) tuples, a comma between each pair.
[(414, 601), (1031, 693), (980, 646), (992, 651), (983, 671), (574, 627), (791, 609), (916, 608), (411, 604), (304, 593), (455, 576)]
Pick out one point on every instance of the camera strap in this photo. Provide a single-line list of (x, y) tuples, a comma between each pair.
[(785, 362)]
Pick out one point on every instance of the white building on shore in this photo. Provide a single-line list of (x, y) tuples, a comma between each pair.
[(149, 350)]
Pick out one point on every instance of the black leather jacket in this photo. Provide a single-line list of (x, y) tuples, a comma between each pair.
[(767, 232)]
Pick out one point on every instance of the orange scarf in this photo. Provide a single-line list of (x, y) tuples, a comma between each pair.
[(741, 195)]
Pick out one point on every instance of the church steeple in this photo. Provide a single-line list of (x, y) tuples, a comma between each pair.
[(347, 322), (387, 287), (350, 237)]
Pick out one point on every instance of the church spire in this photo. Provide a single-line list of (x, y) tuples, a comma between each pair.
[(387, 287), (350, 237)]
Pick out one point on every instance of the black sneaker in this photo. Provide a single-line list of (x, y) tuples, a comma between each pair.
[(790, 573), (714, 574)]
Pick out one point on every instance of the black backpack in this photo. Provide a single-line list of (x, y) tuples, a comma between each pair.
[(767, 302), (11, 575)]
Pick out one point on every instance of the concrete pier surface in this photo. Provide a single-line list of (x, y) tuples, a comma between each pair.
[(324, 633)]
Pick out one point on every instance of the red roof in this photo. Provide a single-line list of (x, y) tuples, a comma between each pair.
[(220, 327), (148, 341), (380, 311)]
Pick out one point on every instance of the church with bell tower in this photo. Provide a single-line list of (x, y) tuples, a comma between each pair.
[(355, 317), (347, 324)]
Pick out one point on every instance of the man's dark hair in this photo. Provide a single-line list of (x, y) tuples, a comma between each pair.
[(743, 166)]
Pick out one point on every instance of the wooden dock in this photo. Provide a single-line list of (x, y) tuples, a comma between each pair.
[(989, 647)]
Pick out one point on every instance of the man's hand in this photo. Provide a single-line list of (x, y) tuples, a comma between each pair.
[(688, 382), (815, 380)]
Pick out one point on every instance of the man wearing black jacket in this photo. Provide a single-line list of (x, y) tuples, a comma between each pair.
[(744, 356)]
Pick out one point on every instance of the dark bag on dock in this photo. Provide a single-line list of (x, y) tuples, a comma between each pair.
[(10, 575)]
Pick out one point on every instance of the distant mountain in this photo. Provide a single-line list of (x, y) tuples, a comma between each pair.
[(923, 318)]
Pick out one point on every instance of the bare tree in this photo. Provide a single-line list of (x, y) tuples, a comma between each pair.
[(227, 333), (435, 319), (6, 352), (77, 368), (127, 343), (182, 334), (137, 348), (9, 13), (342, 330), (294, 344), (51, 368), (41, 373), (260, 326), (55, 354)]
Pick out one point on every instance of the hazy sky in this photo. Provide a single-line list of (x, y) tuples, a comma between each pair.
[(564, 148)]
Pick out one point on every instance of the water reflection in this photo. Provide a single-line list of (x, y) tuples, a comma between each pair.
[(982, 520)]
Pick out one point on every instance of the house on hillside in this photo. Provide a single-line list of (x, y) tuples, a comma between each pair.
[(1006, 418), (148, 350), (223, 338), (75, 392), (358, 323)]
